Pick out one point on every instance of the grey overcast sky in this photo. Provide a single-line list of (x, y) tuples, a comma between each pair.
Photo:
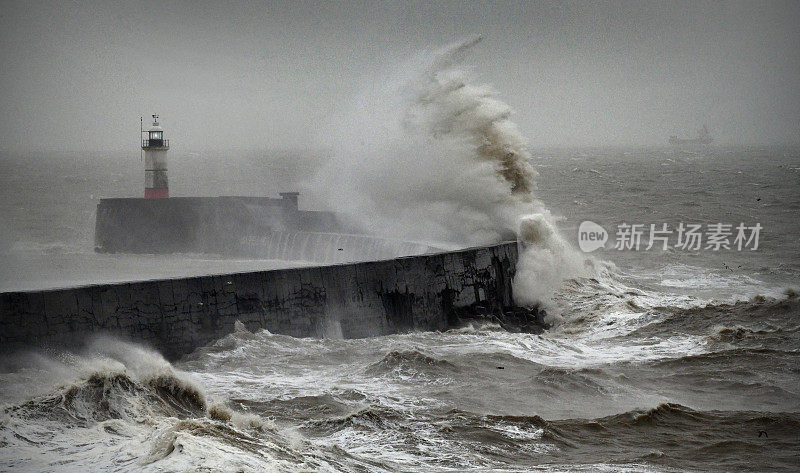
[(77, 75)]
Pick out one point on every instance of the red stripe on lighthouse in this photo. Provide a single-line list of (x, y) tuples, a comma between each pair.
[(156, 193)]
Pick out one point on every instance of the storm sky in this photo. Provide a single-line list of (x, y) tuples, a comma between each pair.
[(78, 75)]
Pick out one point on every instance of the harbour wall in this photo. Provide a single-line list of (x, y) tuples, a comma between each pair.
[(202, 224), (176, 316)]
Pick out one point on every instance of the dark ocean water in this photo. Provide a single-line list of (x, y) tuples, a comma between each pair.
[(675, 360)]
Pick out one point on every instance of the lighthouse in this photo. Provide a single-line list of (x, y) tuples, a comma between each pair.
[(156, 184)]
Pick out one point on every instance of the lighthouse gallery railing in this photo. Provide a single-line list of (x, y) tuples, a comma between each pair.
[(155, 143)]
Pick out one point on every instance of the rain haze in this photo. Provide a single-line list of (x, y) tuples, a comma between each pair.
[(400, 236), (77, 75)]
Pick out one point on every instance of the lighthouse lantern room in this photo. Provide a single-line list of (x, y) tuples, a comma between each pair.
[(156, 185)]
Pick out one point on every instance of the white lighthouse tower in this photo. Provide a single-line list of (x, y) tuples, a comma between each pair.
[(156, 184)]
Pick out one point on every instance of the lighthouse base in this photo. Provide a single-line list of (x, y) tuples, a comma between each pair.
[(201, 224), (156, 193)]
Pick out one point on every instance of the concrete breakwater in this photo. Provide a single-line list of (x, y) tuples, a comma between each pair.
[(325, 248), (202, 224), (175, 316)]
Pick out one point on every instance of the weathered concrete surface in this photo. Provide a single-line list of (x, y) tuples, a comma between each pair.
[(200, 224), (175, 316)]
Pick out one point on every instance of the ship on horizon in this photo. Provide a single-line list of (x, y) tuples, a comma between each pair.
[(703, 138)]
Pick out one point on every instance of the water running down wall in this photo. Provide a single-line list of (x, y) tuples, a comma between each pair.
[(176, 316)]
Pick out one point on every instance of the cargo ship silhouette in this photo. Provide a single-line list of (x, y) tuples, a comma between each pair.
[(703, 138)]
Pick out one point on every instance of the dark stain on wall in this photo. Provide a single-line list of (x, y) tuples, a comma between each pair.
[(176, 316)]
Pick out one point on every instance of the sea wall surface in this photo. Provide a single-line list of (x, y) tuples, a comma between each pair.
[(200, 224), (175, 316), (325, 248)]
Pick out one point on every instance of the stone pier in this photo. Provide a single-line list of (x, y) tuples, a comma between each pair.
[(176, 316)]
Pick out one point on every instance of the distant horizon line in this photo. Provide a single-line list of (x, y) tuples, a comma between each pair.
[(327, 150)]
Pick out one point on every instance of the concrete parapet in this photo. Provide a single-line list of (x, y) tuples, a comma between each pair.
[(176, 316)]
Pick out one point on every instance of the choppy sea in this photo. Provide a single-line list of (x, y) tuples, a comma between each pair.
[(669, 360)]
